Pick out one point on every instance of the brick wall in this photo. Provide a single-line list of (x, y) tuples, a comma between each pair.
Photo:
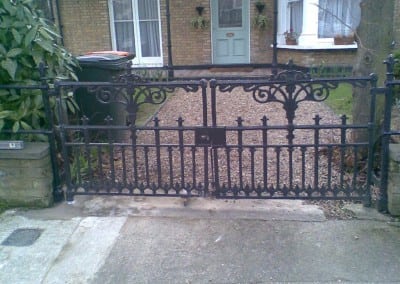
[(85, 25), (189, 45), (261, 40), (317, 57)]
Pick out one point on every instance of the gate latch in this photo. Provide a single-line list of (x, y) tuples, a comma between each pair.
[(210, 136)]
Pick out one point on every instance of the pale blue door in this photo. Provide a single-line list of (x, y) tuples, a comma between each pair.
[(230, 31)]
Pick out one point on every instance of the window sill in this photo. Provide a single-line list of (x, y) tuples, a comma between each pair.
[(318, 47)]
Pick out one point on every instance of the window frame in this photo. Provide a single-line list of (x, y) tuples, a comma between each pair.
[(308, 39), (139, 60)]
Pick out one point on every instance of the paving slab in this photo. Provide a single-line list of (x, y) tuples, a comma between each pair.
[(30, 263)]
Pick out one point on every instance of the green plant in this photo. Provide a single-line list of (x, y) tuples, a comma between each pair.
[(261, 21), (290, 35), (26, 40), (340, 100), (199, 22)]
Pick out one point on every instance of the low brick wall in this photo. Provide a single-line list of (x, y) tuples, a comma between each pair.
[(26, 176), (394, 180)]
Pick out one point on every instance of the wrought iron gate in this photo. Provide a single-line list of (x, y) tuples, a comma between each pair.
[(201, 155)]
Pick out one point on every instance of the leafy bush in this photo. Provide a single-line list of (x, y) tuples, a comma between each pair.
[(27, 39)]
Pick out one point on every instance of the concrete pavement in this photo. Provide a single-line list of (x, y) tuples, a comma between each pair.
[(159, 240)]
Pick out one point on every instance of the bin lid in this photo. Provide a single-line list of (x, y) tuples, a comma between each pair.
[(106, 59)]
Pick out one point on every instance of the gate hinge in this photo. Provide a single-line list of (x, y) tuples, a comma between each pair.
[(210, 136)]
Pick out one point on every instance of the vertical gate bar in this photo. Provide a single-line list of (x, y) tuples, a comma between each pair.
[(355, 167), (240, 150), (228, 166), (67, 168), (290, 150), (77, 171), (303, 168), (290, 137), (57, 190), (278, 167), (111, 154), (181, 151), (100, 165), (86, 137), (205, 124), (158, 150), (123, 166), (171, 167), (371, 135), (317, 119), (382, 199), (146, 166), (329, 168), (206, 171), (214, 151), (203, 84), (252, 151), (193, 148), (342, 149), (133, 131), (265, 150), (213, 86)]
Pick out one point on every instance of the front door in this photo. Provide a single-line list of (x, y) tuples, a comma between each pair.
[(230, 27)]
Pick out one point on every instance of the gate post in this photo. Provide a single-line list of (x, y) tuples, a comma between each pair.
[(382, 198), (57, 190)]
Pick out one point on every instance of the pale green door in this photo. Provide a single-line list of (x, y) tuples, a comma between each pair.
[(230, 31)]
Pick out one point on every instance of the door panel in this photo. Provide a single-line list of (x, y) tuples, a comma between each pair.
[(230, 27), (222, 46)]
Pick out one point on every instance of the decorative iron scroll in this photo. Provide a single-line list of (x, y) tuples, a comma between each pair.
[(132, 90), (290, 88)]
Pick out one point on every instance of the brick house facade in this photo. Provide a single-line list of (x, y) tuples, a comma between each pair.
[(86, 26)]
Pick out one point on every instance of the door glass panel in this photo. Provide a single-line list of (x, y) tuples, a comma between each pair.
[(230, 13), (149, 28)]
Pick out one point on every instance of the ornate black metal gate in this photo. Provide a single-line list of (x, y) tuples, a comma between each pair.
[(202, 154)]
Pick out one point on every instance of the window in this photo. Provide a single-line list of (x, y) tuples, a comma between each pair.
[(338, 17), (316, 22), (229, 13), (135, 27), (295, 9)]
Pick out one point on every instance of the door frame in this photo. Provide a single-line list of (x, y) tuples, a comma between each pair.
[(215, 21)]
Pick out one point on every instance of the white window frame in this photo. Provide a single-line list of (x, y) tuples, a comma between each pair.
[(308, 39), (138, 60)]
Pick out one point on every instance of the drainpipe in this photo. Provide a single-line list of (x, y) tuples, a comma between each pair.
[(275, 41), (60, 27), (169, 42), (50, 5)]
